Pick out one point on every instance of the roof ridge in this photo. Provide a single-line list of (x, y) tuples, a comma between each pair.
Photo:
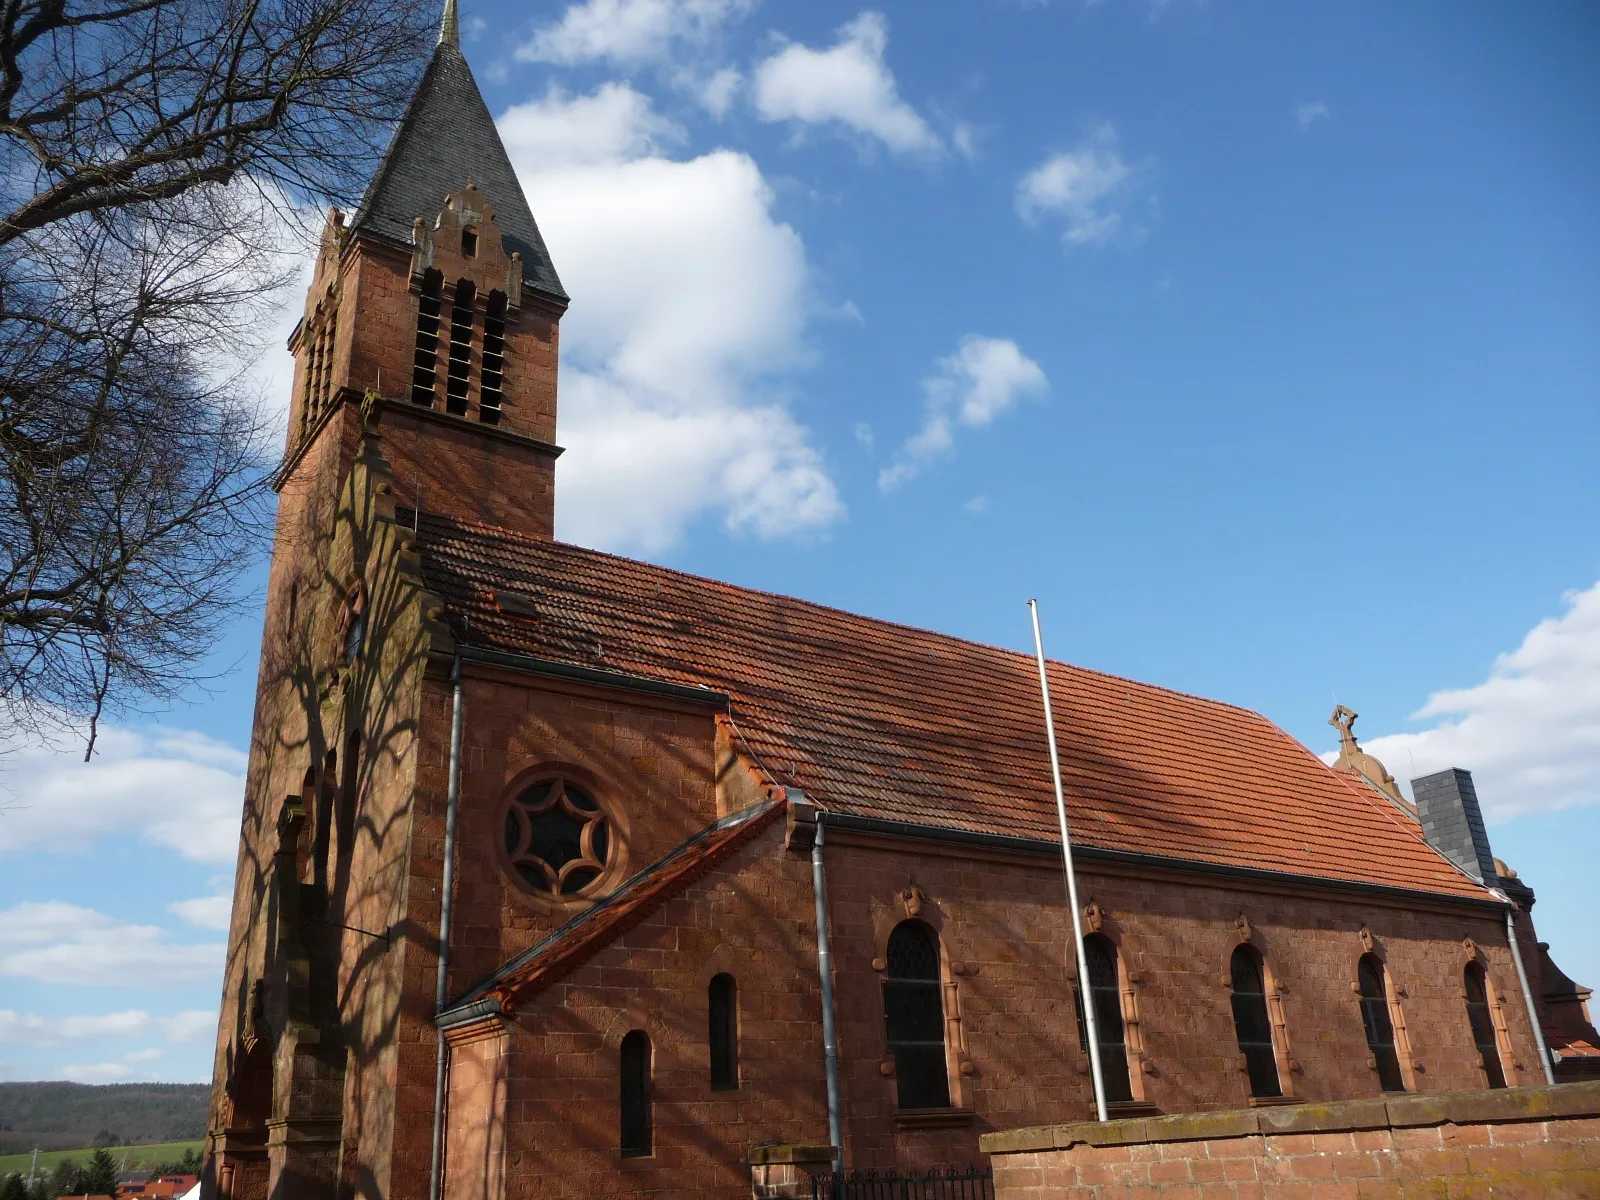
[(517, 535)]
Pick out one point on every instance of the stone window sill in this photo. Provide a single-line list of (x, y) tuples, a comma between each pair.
[(933, 1118), (1272, 1101)]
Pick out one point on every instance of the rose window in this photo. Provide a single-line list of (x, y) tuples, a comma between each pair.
[(557, 837)]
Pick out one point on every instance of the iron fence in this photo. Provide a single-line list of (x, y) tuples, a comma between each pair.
[(974, 1183)]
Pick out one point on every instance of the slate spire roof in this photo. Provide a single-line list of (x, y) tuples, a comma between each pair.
[(445, 141)]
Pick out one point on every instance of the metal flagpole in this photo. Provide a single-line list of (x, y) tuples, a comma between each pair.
[(1084, 989)]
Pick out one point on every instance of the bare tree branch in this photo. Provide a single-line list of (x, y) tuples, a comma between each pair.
[(152, 153)]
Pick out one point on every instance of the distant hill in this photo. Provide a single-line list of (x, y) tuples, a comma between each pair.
[(63, 1116)]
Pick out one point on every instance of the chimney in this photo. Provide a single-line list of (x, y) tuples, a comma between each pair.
[(1447, 805)]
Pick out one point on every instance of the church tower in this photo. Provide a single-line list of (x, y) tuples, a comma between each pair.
[(438, 299), (425, 381)]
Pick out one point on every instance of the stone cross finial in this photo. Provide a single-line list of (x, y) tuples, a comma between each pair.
[(1344, 720), (450, 26)]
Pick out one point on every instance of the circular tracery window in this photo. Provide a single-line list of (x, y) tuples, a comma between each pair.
[(557, 838)]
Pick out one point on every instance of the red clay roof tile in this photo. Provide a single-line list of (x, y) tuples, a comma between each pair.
[(883, 720)]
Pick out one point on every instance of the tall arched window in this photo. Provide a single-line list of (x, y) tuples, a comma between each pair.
[(1251, 1025), (322, 835), (1380, 1029), (635, 1086), (1105, 990), (424, 370), (723, 1006), (913, 1012), (1482, 1019)]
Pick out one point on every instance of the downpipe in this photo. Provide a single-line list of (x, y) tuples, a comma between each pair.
[(446, 904), (830, 1041), (1527, 998)]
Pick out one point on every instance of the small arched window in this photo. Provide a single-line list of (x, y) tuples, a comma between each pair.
[(635, 1094), (1251, 1025), (723, 998), (1380, 1029), (1482, 1018), (1105, 989), (913, 1013)]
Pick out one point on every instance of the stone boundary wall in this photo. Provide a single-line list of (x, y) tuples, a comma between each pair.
[(1513, 1143)]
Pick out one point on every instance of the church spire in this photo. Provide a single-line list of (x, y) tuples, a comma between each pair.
[(450, 26)]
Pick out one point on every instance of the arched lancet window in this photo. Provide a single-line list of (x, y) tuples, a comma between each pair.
[(455, 399), (1380, 1029), (723, 1006), (913, 1013), (1482, 1019), (635, 1073), (1251, 1024), (345, 814), (424, 370), (1105, 988), (322, 836)]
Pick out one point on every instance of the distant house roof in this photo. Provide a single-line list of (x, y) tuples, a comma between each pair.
[(446, 140), (881, 720)]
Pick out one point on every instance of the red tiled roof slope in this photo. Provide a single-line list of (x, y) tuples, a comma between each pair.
[(883, 720)]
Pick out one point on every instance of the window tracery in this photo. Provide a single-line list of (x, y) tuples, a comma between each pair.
[(558, 839)]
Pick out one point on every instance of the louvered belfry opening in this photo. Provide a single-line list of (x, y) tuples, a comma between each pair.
[(1379, 1026), (425, 368), (1105, 987), (491, 375), (1482, 1019), (913, 1013), (1251, 1024), (317, 385), (461, 323)]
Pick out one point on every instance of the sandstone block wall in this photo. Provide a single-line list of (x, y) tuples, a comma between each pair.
[(1527, 1142), (1006, 939)]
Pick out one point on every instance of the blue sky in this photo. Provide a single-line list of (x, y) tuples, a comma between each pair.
[(1257, 340)]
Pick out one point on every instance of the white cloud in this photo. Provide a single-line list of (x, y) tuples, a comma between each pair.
[(207, 912), (1308, 114), (715, 92), (689, 296), (1088, 187), (56, 942), (628, 32), (846, 84), (144, 1056), (27, 1029), (1530, 732), (107, 1072), (191, 1025), (973, 386), (612, 124), (977, 506), (173, 788)]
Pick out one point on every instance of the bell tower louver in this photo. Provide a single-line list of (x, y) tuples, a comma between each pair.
[(438, 298)]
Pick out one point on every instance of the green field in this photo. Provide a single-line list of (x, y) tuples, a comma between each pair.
[(136, 1157)]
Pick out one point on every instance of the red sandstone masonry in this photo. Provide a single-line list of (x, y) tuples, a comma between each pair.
[(1521, 1142)]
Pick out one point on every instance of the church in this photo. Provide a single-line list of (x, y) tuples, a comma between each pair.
[(565, 875)]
